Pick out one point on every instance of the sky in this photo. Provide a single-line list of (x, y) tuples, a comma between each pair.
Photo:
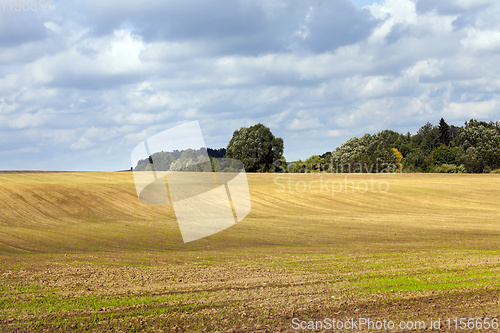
[(83, 84)]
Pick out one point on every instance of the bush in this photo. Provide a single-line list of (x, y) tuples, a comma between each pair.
[(449, 168), (495, 171), (411, 169)]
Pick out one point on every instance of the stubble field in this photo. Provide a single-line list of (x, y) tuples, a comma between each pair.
[(79, 252)]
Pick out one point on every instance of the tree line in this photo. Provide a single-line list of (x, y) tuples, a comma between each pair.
[(442, 148), (197, 160), (472, 148)]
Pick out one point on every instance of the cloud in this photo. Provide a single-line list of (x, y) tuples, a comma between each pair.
[(236, 26), (303, 123), (447, 7), (19, 27), (479, 41), (477, 110), (26, 120), (331, 24), (82, 85), (24, 150), (93, 63)]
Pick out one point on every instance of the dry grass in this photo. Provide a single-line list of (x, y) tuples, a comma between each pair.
[(78, 251)]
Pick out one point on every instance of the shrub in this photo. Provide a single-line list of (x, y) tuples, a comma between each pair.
[(449, 168)]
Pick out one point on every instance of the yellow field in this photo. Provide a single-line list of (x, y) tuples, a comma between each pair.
[(78, 251)]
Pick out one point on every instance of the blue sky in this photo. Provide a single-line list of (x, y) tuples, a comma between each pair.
[(82, 85), (362, 3)]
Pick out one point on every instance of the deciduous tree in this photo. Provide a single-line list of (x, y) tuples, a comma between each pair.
[(256, 147)]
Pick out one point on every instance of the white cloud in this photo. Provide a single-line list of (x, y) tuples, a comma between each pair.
[(82, 143), (90, 58), (53, 27), (338, 132), (478, 110), (427, 67), (24, 150), (26, 120), (97, 82), (303, 123), (482, 40), (392, 12)]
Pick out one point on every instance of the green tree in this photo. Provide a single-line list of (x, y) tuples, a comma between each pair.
[(381, 157), (430, 138), (316, 164), (370, 153), (299, 167), (416, 161), (256, 147), (443, 155), (454, 130), (425, 129), (481, 146), (281, 165), (471, 161), (391, 139), (406, 148), (351, 152), (444, 132)]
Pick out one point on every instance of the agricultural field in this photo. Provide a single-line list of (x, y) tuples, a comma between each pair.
[(79, 252)]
